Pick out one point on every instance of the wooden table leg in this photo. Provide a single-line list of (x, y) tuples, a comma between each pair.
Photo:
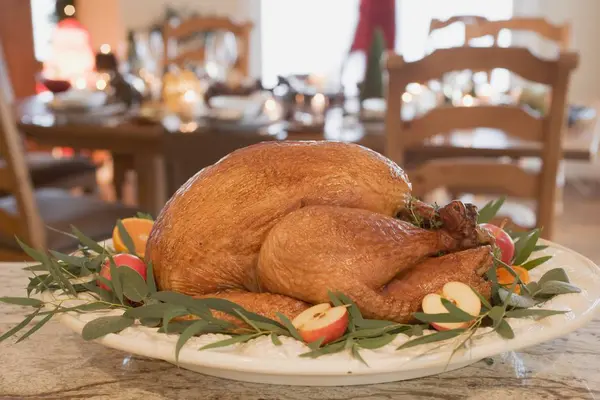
[(151, 182), (121, 164)]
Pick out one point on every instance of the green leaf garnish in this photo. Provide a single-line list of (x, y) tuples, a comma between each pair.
[(532, 312), (525, 245), (86, 241), (432, 338), (104, 325), (275, 340), (505, 330), (489, 211), (20, 326), (36, 327), (134, 285), (377, 342), (289, 326), (150, 278), (144, 216), (529, 265), (22, 301), (230, 341), (126, 238)]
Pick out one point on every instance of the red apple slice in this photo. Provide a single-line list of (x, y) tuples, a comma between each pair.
[(459, 294), (322, 321)]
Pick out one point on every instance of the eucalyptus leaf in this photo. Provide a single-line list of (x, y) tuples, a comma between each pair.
[(33, 253), (125, 237), (177, 326), (150, 278), (443, 317), (289, 326), (377, 342), (115, 278), (373, 323), (19, 326), (353, 310), (356, 354), (532, 312), (69, 259), (56, 272), (194, 329), (516, 300), (265, 326), (328, 349), (36, 268), (195, 306), (496, 314), (230, 341), (555, 274), (375, 332), (334, 299), (316, 344), (552, 288), (275, 339), (172, 312), (142, 215), (22, 301), (524, 247), (540, 247), (86, 241), (454, 310), (483, 300), (416, 330), (229, 307), (36, 327), (505, 330), (95, 263), (104, 294), (134, 285), (489, 211), (150, 322), (104, 325), (531, 264), (431, 338), (150, 310), (247, 320)]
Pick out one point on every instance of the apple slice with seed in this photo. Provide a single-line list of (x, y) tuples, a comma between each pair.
[(322, 321), (461, 295)]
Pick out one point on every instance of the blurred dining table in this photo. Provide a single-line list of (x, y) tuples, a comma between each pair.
[(125, 136)]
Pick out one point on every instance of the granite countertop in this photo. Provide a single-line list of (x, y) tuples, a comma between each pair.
[(56, 363)]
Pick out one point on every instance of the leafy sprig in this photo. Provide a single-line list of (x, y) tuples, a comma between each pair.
[(175, 313)]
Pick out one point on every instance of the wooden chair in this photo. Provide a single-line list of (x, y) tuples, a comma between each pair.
[(467, 20), (172, 34), (483, 174), (45, 170), (559, 34), (26, 212)]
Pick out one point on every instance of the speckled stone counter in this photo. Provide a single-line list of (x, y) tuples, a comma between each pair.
[(57, 364)]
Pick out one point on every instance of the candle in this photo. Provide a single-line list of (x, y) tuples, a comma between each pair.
[(272, 109), (468, 100), (318, 103), (189, 104)]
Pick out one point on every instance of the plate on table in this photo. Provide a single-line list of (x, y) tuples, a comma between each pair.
[(259, 360), (235, 108), (77, 100)]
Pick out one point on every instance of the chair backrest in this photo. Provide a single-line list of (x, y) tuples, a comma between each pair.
[(173, 34), (27, 224), (436, 24), (559, 34), (514, 121)]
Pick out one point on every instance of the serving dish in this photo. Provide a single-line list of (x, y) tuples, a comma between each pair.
[(261, 361)]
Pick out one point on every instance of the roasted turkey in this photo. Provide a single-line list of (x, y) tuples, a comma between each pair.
[(275, 226)]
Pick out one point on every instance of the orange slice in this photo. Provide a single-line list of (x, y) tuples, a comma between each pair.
[(139, 230), (506, 278)]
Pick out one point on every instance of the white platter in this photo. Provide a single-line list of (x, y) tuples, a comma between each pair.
[(261, 361)]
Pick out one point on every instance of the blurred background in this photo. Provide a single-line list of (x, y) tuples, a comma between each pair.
[(122, 101)]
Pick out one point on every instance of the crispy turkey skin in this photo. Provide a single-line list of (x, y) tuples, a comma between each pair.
[(275, 225)]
